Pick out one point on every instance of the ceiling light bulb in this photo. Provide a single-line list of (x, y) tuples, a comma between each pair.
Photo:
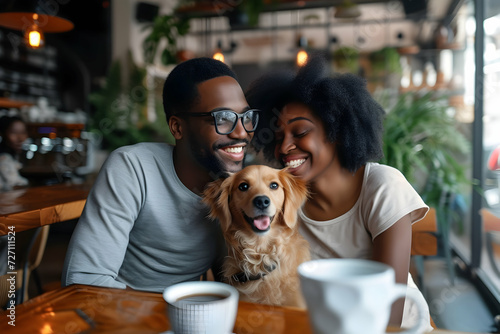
[(218, 56), (34, 37), (302, 58)]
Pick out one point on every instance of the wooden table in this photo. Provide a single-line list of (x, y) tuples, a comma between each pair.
[(37, 206), (81, 308)]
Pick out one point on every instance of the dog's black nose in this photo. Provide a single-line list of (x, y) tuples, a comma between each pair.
[(261, 202)]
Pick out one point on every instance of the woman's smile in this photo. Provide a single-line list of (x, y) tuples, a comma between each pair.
[(301, 142)]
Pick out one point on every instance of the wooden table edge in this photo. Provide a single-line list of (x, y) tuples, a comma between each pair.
[(5, 221)]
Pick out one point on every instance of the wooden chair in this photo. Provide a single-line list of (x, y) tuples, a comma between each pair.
[(30, 247), (423, 235), (4, 290), (424, 243)]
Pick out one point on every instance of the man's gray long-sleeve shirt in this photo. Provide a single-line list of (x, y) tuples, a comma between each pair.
[(141, 227)]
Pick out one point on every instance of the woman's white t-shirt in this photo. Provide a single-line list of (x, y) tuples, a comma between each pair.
[(386, 196)]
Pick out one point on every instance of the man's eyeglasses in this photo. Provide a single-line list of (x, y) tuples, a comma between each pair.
[(226, 120)]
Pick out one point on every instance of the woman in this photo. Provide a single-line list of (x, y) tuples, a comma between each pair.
[(327, 130), (13, 132)]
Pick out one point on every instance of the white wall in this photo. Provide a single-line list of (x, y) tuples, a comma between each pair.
[(128, 34)]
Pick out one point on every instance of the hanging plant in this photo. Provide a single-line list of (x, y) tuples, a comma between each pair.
[(253, 8), (247, 12), (385, 60), (169, 28), (346, 59)]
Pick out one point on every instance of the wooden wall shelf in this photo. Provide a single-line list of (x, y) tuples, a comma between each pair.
[(8, 103)]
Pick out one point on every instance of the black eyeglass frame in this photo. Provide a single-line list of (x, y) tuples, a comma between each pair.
[(214, 113)]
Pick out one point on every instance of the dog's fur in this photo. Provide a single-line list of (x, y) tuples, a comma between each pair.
[(252, 250)]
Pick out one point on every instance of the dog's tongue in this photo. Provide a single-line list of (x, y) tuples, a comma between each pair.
[(262, 222)]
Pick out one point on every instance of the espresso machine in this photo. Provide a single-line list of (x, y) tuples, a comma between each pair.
[(56, 152)]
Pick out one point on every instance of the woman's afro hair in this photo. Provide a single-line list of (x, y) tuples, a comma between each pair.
[(351, 117)]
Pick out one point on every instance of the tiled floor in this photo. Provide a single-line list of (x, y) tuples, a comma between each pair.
[(458, 307)]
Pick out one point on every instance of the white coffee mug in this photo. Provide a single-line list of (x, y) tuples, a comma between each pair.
[(353, 296), (201, 307)]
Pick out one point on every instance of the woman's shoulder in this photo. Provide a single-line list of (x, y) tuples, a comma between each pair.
[(389, 196), (382, 180), (377, 174)]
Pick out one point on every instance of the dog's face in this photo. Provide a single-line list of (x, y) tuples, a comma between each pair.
[(257, 195), (255, 199)]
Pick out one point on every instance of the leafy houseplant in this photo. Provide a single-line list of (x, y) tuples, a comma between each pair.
[(385, 60), (168, 27), (422, 141), (247, 12), (346, 59), (119, 118)]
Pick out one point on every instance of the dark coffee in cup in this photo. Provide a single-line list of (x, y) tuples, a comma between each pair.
[(199, 298), (201, 307)]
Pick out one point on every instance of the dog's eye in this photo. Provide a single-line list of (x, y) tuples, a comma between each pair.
[(243, 186), (273, 185)]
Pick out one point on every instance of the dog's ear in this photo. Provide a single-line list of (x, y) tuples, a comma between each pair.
[(216, 196), (295, 194)]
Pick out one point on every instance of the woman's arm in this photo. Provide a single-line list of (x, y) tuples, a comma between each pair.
[(393, 247)]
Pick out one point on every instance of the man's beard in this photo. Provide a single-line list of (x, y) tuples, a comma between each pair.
[(207, 159)]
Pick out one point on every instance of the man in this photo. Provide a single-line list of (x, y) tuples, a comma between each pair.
[(144, 226)]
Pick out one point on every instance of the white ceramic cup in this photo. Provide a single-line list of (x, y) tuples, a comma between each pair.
[(201, 307), (353, 296)]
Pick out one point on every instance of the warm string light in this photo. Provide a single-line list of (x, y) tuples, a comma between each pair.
[(34, 35), (302, 58), (218, 56)]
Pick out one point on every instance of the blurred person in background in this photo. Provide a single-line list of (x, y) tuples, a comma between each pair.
[(13, 133)]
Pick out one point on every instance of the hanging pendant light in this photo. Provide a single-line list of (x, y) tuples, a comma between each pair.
[(33, 19), (218, 55), (302, 57), (33, 35)]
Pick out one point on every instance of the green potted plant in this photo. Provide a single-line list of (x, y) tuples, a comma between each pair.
[(385, 60), (421, 139), (165, 27), (346, 59), (120, 108)]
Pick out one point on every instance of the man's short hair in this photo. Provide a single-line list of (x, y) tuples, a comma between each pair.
[(180, 93)]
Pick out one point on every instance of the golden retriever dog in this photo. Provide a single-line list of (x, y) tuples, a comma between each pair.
[(257, 210)]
